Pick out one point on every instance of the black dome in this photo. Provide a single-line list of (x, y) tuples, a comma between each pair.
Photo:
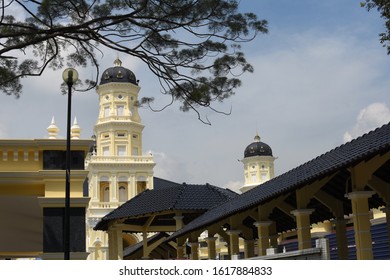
[(257, 148), (118, 74)]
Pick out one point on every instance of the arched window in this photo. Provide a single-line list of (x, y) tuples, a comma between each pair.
[(104, 192), (122, 193)]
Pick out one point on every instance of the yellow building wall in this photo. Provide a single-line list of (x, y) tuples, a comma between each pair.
[(25, 188)]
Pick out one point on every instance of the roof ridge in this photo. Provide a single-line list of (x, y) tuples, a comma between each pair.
[(178, 195), (221, 191), (358, 139)]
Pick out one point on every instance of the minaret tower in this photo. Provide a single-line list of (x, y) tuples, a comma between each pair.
[(53, 129), (258, 164), (117, 168)]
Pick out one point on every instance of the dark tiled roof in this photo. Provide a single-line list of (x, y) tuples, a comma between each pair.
[(364, 147), (180, 197), (159, 183)]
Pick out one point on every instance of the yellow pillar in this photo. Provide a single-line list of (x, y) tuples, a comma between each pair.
[(179, 222), (145, 254), (179, 241), (211, 249), (233, 243), (194, 250), (263, 236), (361, 224), (341, 238), (249, 248), (180, 251), (115, 244), (302, 217), (387, 211)]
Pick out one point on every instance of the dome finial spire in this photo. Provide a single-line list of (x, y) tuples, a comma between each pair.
[(75, 130), (117, 62), (257, 137), (53, 129)]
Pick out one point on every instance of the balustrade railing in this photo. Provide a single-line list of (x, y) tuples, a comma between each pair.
[(131, 159)]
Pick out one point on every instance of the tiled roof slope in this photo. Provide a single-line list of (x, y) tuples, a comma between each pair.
[(181, 197), (159, 183), (364, 147)]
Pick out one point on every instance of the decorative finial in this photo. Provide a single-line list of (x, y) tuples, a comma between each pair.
[(75, 130), (53, 129), (117, 62), (257, 137)]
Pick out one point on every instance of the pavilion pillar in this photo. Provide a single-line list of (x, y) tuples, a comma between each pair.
[(180, 250), (249, 248), (234, 243), (341, 238), (211, 248), (263, 236), (302, 217), (179, 222), (194, 250), (194, 245), (179, 241), (361, 223), (115, 244), (145, 250)]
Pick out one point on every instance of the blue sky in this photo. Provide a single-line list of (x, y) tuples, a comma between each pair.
[(321, 77)]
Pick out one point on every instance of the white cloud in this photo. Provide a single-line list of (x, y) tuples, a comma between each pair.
[(15, 10), (3, 131), (369, 118), (234, 186), (170, 168)]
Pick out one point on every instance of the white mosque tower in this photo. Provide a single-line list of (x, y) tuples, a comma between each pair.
[(258, 164), (117, 168)]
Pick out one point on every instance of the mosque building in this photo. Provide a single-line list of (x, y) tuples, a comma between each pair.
[(281, 216), (120, 210), (117, 168)]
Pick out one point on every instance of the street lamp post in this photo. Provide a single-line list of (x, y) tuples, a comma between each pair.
[(70, 76)]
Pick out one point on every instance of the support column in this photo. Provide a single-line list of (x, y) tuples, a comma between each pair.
[(387, 211), (263, 236), (341, 238), (95, 190), (234, 245), (115, 244), (249, 249), (129, 189), (194, 244), (179, 241), (145, 253), (113, 188), (180, 249), (133, 186), (179, 222), (194, 250), (302, 217), (361, 224), (211, 249)]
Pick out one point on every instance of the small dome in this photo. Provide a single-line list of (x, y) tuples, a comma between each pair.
[(257, 148), (118, 74)]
